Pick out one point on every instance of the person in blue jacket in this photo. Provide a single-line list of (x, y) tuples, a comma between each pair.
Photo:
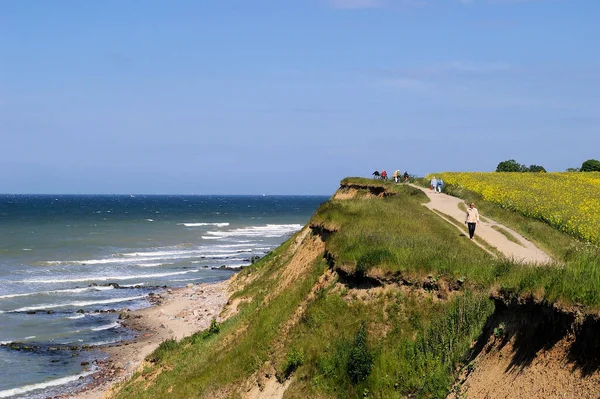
[(440, 184)]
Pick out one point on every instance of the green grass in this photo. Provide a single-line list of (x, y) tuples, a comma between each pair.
[(209, 362), (464, 228), (359, 342), (417, 356)]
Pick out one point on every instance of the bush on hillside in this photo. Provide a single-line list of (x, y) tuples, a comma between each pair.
[(360, 361), (293, 360), (591, 165), (160, 353)]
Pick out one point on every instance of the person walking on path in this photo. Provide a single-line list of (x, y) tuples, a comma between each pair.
[(440, 184), (396, 175), (433, 184), (472, 219)]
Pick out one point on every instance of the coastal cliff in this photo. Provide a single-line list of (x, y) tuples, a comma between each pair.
[(379, 297)]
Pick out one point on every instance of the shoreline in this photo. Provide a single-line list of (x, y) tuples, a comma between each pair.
[(178, 312)]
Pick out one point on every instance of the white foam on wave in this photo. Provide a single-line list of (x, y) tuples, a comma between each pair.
[(99, 343), (79, 316), (42, 385), (71, 290), (267, 231), (106, 327), (74, 304), (210, 238), (131, 285), (236, 266), (106, 278), (152, 264), (246, 244), (203, 224)]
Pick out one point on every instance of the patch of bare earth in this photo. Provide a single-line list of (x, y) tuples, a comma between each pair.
[(344, 194), (525, 358)]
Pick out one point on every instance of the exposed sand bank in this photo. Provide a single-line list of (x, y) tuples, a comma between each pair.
[(178, 313)]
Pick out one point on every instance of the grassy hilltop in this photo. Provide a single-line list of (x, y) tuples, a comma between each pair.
[(377, 297)]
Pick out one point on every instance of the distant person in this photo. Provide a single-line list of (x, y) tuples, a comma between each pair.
[(472, 219), (406, 177), (396, 176), (384, 174), (433, 183), (376, 174), (440, 184)]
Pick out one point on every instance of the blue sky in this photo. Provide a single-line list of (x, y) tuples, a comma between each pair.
[(289, 96)]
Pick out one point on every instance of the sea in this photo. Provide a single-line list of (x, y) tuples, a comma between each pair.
[(70, 263)]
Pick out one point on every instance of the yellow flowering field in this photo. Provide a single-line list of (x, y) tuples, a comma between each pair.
[(567, 201)]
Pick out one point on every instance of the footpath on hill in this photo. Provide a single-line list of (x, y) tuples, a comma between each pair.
[(523, 251)]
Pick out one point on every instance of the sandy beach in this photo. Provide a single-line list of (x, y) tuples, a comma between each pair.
[(177, 313)]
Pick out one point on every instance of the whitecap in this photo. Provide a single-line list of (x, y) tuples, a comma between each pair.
[(42, 385), (106, 327), (267, 231), (70, 290), (75, 304), (79, 316), (203, 224), (106, 278)]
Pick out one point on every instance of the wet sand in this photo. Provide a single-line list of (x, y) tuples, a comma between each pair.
[(178, 313)]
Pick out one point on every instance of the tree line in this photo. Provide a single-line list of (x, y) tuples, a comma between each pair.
[(591, 165)]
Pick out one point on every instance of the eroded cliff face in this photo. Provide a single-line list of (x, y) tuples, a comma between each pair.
[(531, 349)]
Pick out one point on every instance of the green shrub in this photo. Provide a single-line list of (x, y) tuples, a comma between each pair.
[(360, 361), (293, 360), (163, 349)]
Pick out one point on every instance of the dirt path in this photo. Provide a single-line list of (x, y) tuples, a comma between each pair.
[(524, 251)]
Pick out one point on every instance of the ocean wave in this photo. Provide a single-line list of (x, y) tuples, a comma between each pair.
[(106, 278), (267, 231), (246, 244), (71, 290), (100, 343), (79, 316), (152, 264), (203, 224), (43, 385), (74, 304), (106, 327)]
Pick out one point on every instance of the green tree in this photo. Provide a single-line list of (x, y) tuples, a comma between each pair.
[(536, 168), (510, 166), (591, 165), (572, 170)]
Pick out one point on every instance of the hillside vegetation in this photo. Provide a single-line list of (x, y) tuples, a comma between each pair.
[(377, 297)]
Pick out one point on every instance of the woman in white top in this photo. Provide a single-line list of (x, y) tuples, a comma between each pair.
[(472, 218)]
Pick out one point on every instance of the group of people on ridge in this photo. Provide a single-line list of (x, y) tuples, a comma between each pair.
[(436, 185), (397, 175)]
